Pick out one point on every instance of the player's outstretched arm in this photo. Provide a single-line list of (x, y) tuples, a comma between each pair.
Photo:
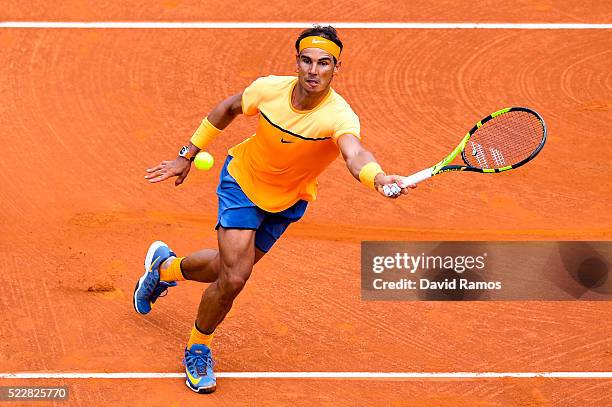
[(363, 166), (218, 119)]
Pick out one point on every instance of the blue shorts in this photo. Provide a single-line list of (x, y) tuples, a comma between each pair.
[(237, 211)]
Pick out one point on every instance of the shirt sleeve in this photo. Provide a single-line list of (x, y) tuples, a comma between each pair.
[(347, 123), (251, 97)]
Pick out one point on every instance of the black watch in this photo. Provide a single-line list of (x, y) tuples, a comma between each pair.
[(185, 153)]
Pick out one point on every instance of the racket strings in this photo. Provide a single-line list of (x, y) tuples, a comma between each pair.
[(505, 140)]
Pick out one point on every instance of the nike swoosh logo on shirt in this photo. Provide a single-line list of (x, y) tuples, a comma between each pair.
[(290, 132)]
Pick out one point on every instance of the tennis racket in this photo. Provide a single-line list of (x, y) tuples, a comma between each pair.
[(502, 141)]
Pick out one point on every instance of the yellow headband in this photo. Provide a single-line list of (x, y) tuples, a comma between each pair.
[(321, 43)]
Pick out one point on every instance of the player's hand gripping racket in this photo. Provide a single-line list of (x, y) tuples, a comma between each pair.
[(500, 142)]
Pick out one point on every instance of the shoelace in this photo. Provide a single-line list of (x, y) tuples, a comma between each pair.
[(163, 293), (157, 293), (199, 362)]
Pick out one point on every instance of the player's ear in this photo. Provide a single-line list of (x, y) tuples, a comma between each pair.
[(337, 67), (297, 63)]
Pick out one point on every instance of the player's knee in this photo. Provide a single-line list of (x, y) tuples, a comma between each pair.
[(231, 285)]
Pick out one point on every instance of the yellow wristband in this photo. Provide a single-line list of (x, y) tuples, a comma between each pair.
[(368, 172), (204, 134)]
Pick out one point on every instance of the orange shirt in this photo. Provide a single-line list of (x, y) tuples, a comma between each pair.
[(280, 163)]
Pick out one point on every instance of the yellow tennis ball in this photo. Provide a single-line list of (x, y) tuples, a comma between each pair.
[(204, 161)]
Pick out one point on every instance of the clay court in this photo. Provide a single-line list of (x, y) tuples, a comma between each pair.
[(85, 111)]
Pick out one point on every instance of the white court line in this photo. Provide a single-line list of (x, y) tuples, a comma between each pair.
[(317, 375), (300, 25)]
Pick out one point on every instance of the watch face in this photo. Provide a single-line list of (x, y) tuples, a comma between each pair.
[(184, 151)]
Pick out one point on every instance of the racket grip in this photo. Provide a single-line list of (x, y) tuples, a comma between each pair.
[(416, 178), (412, 179)]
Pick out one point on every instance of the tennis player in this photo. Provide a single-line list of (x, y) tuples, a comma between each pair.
[(265, 184)]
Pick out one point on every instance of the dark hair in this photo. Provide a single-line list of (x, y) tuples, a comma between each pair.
[(327, 31)]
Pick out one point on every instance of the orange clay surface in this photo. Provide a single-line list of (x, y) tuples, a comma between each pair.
[(84, 112)]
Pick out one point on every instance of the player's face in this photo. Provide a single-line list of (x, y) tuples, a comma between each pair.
[(316, 68)]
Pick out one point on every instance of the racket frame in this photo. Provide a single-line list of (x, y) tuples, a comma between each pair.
[(443, 166)]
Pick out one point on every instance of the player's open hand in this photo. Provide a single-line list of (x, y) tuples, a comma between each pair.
[(179, 167), (390, 186)]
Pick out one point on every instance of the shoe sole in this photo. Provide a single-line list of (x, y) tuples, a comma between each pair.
[(147, 265), (201, 390)]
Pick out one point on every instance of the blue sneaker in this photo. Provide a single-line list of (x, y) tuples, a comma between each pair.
[(162, 289), (148, 288), (199, 369)]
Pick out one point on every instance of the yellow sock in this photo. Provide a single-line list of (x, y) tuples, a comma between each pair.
[(199, 338), (172, 272)]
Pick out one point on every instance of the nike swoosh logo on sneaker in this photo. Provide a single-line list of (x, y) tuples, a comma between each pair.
[(285, 141), (153, 262), (192, 379)]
